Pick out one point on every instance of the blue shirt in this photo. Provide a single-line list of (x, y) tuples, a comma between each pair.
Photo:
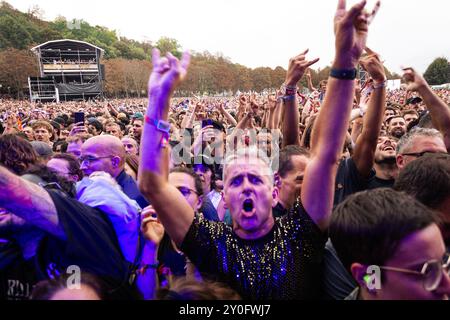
[(130, 188)]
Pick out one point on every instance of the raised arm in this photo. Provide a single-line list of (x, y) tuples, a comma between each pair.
[(188, 120), (364, 153), (227, 115), (351, 28), (439, 110), (174, 212), (309, 81), (30, 202), (296, 69)]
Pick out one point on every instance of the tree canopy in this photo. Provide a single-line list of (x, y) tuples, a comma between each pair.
[(438, 72)]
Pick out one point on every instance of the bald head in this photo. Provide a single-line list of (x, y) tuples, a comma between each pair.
[(103, 153), (106, 145)]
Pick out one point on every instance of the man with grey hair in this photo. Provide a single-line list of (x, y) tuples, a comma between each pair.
[(418, 142)]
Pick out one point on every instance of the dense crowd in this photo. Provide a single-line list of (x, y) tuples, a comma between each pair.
[(342, 192)]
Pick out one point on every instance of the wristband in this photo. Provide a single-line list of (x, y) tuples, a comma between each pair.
[(343, 74), (379, 85), (288, 90), (143, 268), (288, 97), (162, 126)]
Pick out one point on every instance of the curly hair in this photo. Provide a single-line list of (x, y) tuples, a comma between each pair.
[(16, 153)]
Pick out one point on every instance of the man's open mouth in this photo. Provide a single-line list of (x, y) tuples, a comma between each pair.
[(248, 205)]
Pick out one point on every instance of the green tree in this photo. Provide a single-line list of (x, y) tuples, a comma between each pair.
[(438, 72), (166, 45), (14, 32)]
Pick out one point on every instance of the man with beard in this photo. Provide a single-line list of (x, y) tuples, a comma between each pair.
[(396, 126), (137, 122), (386, 170)]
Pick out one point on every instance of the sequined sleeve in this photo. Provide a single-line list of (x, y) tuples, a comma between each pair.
[(201, 243)]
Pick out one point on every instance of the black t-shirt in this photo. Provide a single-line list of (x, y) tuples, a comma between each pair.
[(282, 265), (91, 245), (376, 183), (170, 259), (279, 211), (17, 275), (349, 181)]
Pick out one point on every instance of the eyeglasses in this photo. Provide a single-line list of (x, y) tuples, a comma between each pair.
[(421, 154), (186, 192), (431, 272), (90, 159)]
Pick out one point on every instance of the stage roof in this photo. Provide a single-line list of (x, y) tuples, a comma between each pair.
[(66, 44)]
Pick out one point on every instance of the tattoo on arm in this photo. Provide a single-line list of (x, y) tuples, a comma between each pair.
[(30, 202)]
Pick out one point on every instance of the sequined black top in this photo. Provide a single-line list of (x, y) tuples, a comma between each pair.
[(282, 265)]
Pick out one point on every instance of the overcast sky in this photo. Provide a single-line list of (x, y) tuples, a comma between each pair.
[(259, 33)]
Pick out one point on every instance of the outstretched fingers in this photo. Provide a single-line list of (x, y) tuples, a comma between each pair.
[(369, 51), (312, 62), (341, 5), (155, 56), (407, 68), (374, 12), (185, 61), (354, 12)]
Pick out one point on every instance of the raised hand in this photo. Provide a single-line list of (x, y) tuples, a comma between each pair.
[(351, 29), (414, 81), (373, 65), (242, 100), (78, 128), (297, 67), (167, 73), (151, 227)]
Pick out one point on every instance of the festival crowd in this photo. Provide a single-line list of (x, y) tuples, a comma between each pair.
[(342, 192)]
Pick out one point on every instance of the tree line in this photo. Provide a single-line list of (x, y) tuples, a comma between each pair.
[(128, 62)]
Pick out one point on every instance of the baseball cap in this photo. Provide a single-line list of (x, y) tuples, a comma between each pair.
[(138, 115)]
